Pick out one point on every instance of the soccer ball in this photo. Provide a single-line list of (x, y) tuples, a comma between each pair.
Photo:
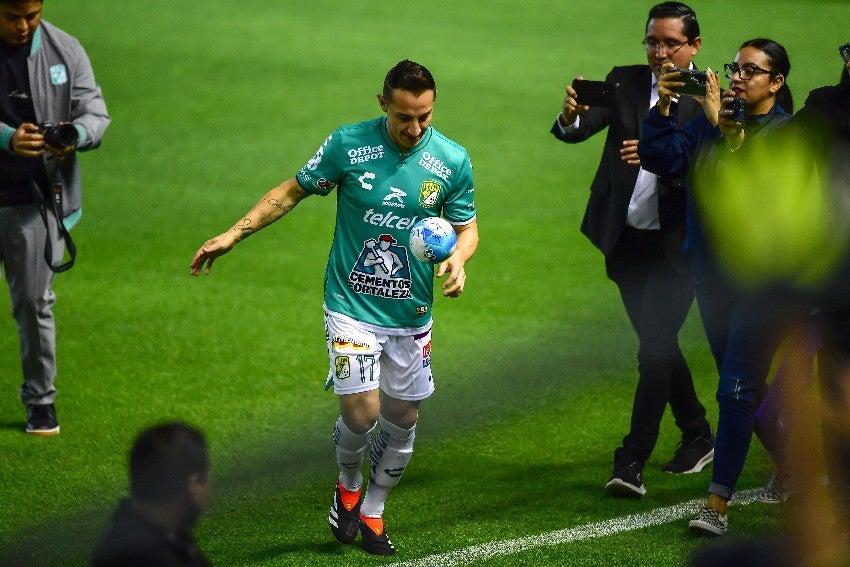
[(432, 239)]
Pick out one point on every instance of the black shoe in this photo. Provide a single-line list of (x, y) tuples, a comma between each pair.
[(41, 420), (627, 479), (344, 522), (691, 456), (376, 543)]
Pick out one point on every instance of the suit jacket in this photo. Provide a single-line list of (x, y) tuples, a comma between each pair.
[(614, 182)]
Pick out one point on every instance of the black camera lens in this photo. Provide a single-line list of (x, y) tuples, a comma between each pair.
[(739, 110), (60, 136)]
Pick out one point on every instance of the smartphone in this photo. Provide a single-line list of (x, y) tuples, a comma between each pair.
[(844, 51), (595, 93), (694, 80)]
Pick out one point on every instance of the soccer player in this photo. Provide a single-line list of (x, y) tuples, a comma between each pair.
[(389, 172), (636, 219)]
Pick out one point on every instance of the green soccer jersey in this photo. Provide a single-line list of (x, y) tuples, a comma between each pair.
[(372, 275)]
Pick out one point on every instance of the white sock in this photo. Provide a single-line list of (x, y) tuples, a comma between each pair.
[(390, 454), (350, 451)]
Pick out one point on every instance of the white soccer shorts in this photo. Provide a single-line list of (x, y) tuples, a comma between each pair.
[(362, 358)]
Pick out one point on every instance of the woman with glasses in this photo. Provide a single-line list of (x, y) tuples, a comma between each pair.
[(742, 329)]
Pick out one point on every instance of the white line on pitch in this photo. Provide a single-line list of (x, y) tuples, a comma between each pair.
[(588, 531)]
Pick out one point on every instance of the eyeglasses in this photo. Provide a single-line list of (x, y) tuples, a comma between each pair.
[(746, 72), (670, 46)]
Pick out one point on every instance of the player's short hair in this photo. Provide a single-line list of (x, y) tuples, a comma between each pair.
[(411, 77), (690, 25), (162, 460)]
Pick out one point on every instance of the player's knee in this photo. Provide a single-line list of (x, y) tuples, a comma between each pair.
[(401, 413), (359, 412)]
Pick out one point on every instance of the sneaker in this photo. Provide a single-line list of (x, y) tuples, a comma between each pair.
[(375, 539), (691, 456), (776, 491), (627, 479), (41, 420), (709, 522), (344, 516)]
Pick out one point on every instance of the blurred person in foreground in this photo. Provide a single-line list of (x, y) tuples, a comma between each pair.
[(45, 77), (169, 489), (824, 123), (389, 172), (636, 219), (743, 329), (820, 135)]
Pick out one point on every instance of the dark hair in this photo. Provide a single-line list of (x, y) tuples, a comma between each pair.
[(163, 458), (780, 64), (690, 26), (411, 77)]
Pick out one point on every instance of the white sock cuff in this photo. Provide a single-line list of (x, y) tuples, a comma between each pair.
[(395, 431), (347, 438)]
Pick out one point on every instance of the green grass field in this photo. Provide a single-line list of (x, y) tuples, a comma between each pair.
[(212, 103)]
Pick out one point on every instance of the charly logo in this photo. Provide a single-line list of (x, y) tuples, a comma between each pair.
[(429, 193), (58, 74), (362, 179)]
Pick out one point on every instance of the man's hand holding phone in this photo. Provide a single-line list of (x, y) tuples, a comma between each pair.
[(571, 108)]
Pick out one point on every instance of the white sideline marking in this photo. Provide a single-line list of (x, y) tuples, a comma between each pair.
[(589, 531)]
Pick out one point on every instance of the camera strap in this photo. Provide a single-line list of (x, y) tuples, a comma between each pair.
[(56, 202)]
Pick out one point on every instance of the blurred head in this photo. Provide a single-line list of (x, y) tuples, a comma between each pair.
[(408, 99), (759, 75), (19, 20), (169, 465), (672, 35)]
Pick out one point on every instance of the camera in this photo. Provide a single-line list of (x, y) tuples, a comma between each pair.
[(60, 136), (739, 110), (844, 51), (694, 80)]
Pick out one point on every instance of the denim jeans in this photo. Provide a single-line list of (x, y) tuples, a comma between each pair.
[(743, 332)]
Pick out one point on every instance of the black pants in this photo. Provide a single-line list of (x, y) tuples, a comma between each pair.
[(657, 298)]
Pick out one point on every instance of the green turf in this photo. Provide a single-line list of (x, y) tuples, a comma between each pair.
[(213, 102)]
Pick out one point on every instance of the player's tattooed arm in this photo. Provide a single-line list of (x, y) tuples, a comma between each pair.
[(243, 228), (275, 204)]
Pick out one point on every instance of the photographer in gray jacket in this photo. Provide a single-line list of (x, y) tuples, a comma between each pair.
[(50, 109)]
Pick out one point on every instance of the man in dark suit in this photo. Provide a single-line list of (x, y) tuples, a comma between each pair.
[(637, 220)]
